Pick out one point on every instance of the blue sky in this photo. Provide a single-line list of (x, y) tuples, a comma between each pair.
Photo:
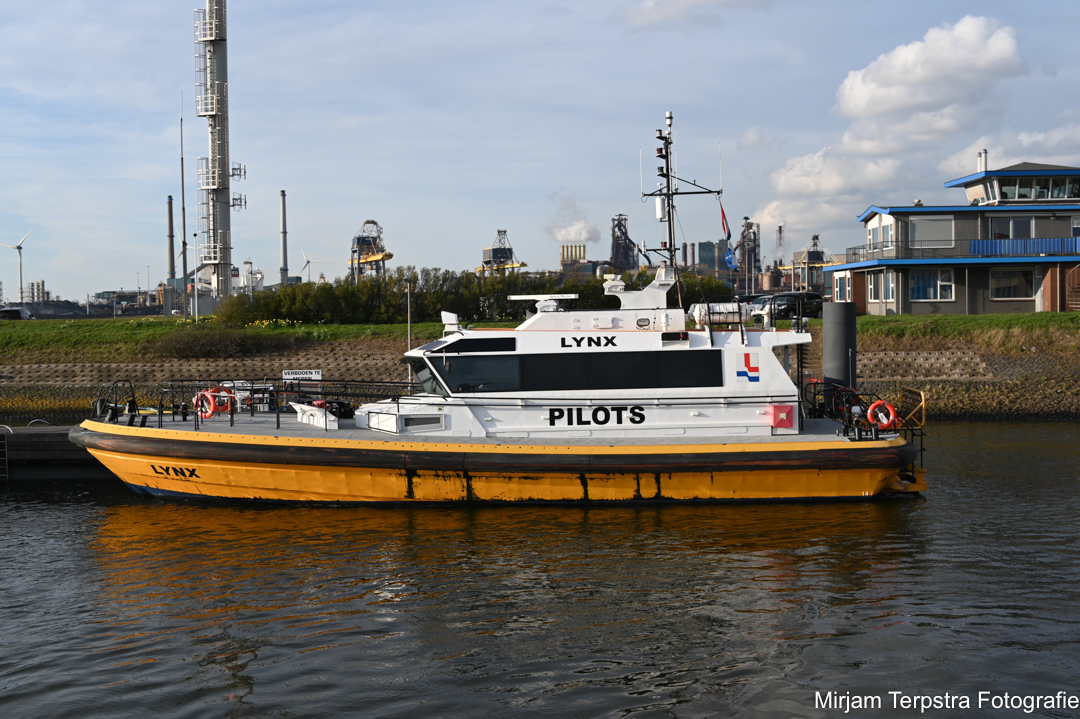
[(448, 121)]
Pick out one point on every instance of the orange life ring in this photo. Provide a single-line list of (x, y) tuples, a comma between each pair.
[(878, 418), (205, 405), (223, 397)]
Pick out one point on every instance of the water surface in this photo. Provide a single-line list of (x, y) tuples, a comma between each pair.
[(116, 606)]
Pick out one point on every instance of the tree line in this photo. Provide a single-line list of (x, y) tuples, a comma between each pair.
[(471, 296)]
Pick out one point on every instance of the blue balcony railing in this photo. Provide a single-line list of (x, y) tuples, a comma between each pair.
[(1032, 247)]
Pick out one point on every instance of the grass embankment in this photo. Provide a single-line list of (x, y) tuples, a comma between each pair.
[(150, 338), (1043, 332)]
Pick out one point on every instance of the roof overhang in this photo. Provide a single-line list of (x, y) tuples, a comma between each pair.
[(953, 261), (940, 209), (963, 181)]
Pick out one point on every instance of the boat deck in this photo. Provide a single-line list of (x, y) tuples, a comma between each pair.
[(264, 425)]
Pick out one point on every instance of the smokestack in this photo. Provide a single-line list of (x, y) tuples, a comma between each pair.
[(684, 254), (693, 254), (284, 246), (172, 252)]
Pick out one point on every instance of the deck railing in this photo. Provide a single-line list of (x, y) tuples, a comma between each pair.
[(932, 249)]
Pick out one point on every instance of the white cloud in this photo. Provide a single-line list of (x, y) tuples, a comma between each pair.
[(952, 65), (755, 138), (664, 12), (905, 108)]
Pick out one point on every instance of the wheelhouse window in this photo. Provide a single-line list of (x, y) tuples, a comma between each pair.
[(426, 377), (1073, 190), (1008, 188), (931, 285), (1041, 188), (1012, 284), (479, 373), (991, 190), (1012, 228), (1023, 188), (580, 371), (931, 231)]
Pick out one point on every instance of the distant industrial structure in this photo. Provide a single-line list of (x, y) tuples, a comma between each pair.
[(215, 171), (368, 254), (624, 253), (499, 257)]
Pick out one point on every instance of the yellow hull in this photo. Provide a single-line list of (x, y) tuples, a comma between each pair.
[(186, 472)]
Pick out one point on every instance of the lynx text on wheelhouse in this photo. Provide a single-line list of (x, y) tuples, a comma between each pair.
[(1028, 703)]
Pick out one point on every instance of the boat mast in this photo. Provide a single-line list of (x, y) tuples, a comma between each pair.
[(665, 194)]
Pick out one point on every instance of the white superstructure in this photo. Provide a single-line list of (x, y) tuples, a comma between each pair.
[(636, 371)]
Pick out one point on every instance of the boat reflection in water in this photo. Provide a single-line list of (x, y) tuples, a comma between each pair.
[(436, 609)]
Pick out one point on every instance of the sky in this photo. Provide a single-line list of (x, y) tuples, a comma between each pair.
[(446, 122)]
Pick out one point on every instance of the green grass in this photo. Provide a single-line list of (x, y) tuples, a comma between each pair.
[(1047, 332), (967, 327), (128, 340)]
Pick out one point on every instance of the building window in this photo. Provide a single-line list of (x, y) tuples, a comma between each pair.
[(873, 238), (890, 286), (1012, 228), (841, 289), (873, 286), (1076, 227), (1012, 284), (931, 285), (886, 236), (931, 231)]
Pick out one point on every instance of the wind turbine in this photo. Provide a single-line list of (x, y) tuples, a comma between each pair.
[(308, 263), (18, 248)]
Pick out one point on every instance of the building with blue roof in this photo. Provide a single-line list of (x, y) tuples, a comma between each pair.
[(1014, 246)]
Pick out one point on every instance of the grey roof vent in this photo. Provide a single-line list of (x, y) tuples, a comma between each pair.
[(917, 203)]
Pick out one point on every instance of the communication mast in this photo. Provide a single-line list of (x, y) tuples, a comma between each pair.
[(667, 189), (500, 256), (624, 252), (368, 254), (215, 171)]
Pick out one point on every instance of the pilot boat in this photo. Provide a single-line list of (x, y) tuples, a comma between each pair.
[(625, 404), (636, 403)]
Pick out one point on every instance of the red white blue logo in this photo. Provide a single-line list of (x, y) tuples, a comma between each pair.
[(750, 371)]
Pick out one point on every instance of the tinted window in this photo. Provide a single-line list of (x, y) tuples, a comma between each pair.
[(426, 377), (622, 370), (541, 373), (482, 344), (581, 371), (700, 368), (479, 374)]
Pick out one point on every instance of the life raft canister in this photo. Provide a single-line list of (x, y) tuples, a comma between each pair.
[(878, 419)]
